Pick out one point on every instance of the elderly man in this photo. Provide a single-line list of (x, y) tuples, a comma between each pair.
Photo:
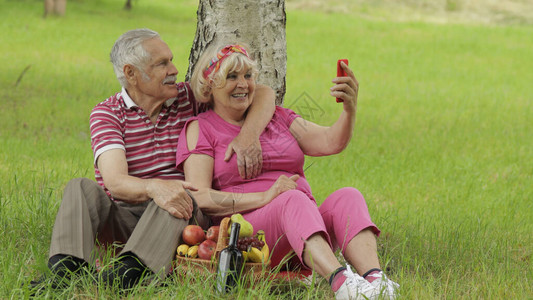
[(140, 199)]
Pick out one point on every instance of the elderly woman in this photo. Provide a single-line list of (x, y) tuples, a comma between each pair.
[(279, 200)]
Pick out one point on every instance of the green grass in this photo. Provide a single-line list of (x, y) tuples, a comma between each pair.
[(442, 151)]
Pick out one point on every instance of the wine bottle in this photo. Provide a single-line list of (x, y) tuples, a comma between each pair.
[(229, 263)]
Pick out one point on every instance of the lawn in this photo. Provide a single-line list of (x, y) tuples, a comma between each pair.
[(442, 150)]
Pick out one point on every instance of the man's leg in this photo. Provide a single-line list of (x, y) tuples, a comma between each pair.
[(152, 245), (86, 212), (156, 237), (84, 209)]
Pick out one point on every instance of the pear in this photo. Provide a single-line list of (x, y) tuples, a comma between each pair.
[(246, 227)]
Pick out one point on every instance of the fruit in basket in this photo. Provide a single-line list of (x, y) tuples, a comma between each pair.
[(192, 252), (206, 250), (182, 249), (264, 248), (212, 233), (257, 250), (252, 241), (246, 227), (193, 235), (254, 248), (255, 255)]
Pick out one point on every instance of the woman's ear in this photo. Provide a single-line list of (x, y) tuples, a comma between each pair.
[(207, 94)]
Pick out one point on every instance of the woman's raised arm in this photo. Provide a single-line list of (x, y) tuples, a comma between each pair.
[(316, 140)]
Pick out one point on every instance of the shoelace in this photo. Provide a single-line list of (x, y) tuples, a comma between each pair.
[(363, 286), (376, 275), (381, 276)]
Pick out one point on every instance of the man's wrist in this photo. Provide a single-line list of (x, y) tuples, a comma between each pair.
[(149, 188), (248, 133)]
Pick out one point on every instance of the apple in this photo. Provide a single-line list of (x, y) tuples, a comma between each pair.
[(212, 233), (193, 235), (207, 249)]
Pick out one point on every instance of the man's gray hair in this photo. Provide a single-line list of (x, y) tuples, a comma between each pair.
[(128, 50)]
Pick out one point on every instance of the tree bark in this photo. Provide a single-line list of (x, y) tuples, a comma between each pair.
[(258, 23), (127, 6), (55, 7)]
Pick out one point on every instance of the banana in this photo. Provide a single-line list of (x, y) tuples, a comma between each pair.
[(244, 255), (255, 255), (261, 236), (182, 249), (266, 251), (192, 252)]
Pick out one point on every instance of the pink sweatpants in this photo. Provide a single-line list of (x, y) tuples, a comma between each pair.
[(291, 218)]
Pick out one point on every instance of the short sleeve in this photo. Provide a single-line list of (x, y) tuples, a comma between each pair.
[(285, 115), (203, 146), (106, 132)]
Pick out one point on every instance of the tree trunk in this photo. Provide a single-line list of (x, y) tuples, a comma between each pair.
[(127, 6), (55, 7), (260, 24)]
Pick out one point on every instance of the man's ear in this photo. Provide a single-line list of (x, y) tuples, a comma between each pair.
[(129, 72)]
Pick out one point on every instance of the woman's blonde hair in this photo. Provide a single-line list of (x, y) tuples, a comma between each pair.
[(235, 62)]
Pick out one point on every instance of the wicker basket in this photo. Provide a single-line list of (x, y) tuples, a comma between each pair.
[(185, 263)]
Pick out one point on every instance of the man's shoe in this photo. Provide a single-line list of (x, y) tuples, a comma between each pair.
[(126, 272), (62, 268), (37, 286)]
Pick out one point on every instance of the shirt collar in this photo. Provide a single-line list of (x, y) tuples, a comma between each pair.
[(129, 103), (170, 101), (127, 100)]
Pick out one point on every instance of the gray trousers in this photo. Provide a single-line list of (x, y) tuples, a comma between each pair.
[(87, 215)]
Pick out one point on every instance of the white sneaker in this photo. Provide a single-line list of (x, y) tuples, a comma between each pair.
[(384, 287), (355, 287)]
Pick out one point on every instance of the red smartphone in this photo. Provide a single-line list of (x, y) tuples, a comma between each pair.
[(340, 72)]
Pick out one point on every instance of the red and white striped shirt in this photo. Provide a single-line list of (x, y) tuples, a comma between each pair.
[(118, 123)]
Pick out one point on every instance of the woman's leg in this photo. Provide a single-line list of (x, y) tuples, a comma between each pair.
[(318, 255), (348, 222), (292, 222), (361, 252), (295, 222)]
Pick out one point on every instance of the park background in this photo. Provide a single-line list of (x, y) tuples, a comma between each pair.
[(442, 150)]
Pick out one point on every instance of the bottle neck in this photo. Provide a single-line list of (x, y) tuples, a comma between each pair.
[(234, 236)]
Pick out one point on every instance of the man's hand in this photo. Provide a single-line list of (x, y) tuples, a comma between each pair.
[(282, 184), (171, 196), (249, 155), (246, 144)]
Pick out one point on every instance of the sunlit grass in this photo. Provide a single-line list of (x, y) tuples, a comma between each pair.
[(442, 149)]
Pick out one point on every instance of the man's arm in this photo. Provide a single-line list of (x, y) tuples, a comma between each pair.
[(246, 145), (167, 194)]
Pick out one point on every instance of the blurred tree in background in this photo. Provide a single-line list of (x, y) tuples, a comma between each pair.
[(55, 7)]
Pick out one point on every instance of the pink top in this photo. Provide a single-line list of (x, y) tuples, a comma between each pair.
[(281, 153), (118, 123)]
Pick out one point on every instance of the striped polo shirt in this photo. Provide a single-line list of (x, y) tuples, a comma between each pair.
[(118, 123)]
